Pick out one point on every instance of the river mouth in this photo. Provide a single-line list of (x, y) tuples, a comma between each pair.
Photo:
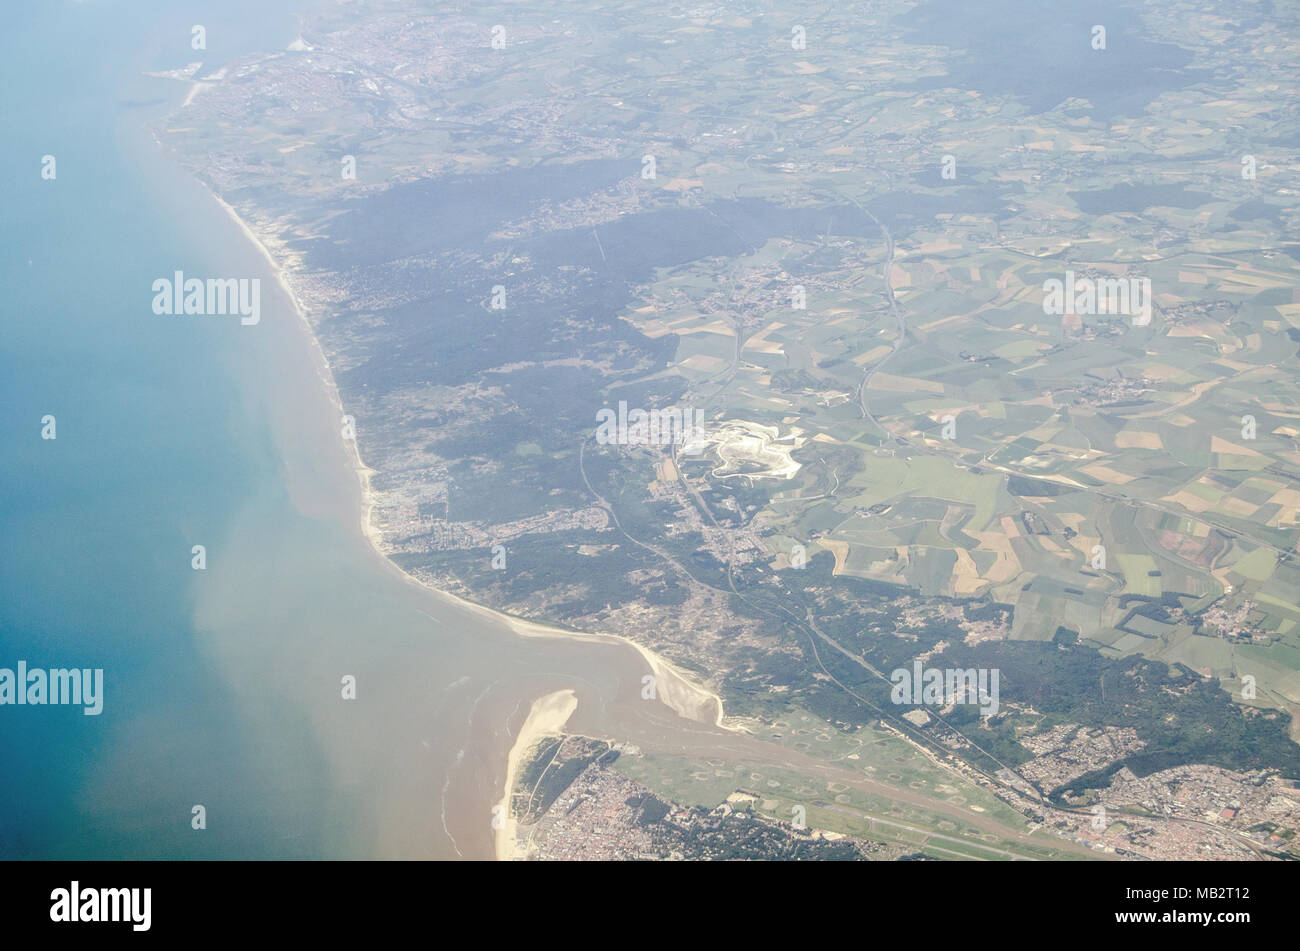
[(252, 522), (297, 599), (224, 687)]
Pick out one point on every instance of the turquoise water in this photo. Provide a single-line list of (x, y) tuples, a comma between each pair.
[(222, 686), (152, 449)]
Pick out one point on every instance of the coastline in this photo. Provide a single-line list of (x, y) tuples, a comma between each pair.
[(675, 688), (323, 369), (546, 717), (678, 690)]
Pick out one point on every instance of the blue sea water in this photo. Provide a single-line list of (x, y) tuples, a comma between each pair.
[(153, 448), (222, 686)]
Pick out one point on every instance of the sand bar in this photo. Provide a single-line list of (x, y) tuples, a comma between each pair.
[(546, 717)]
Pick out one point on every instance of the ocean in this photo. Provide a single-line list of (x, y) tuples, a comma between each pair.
[(223, 687)]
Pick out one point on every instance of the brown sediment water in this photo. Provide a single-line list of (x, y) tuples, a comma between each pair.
[(296, 597), (444, 688)]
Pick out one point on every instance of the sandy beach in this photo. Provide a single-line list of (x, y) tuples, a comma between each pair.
[(323, 370), (546, 717), (674, 687), (677, 689)]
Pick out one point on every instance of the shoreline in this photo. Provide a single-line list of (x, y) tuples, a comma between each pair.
[(675, 688), (670, 680), (323, 370), (546, 717)]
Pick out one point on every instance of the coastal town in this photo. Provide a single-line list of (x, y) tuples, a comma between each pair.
[(499, 231), (604, 816)]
